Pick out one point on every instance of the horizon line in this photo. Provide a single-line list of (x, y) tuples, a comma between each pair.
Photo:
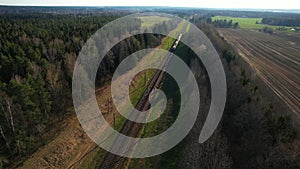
[(105, 6)]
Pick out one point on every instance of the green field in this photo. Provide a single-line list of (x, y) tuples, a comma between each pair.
[(148, 21), (188, 28), (247, 23)]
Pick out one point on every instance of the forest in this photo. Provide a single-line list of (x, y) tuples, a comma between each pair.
[(37, 55), (36, 61)]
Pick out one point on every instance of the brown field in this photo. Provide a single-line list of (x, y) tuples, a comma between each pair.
[(275, 60)]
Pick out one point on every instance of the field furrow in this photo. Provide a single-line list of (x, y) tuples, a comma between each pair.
[(275, 60)]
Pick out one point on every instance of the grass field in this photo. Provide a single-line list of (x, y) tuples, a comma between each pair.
[(247, 23), (148, 21), (188, 28)]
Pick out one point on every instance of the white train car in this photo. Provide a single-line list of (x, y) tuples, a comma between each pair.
[(176, 42)]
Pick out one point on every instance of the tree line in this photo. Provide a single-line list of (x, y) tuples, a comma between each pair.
[(223, 23), (255, 129), (280, 21)]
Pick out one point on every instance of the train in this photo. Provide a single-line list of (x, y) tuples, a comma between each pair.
[(176, 43)]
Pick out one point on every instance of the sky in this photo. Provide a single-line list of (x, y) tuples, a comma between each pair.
[(246, 4)]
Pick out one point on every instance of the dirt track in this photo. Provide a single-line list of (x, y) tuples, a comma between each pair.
[(68, 147), (275, 59)]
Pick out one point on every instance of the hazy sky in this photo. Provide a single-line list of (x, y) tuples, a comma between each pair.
[(257, 4)]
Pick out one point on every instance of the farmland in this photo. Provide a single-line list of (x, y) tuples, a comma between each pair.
[(275, 60), (247, 23)]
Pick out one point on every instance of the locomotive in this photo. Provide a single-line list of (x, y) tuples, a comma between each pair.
[(176, 43)]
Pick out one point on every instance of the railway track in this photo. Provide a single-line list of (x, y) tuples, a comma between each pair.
[(131, 128), (91, 147)]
